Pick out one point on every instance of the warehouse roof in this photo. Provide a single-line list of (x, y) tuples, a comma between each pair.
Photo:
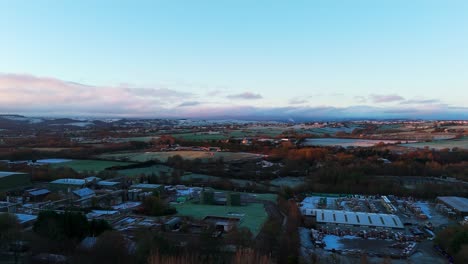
[(8, 173), (107, 183), (146, 186), (70, 181), (37, 192), (458, 203), (358, 218), (92, 178)]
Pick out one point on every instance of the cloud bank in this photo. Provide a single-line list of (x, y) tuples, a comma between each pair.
[(245, 96), (32, 95), (381, 98)]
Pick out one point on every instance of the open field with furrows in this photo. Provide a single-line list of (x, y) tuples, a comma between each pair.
[(252, 216), (461, 143), (164, 155), (89, 165)]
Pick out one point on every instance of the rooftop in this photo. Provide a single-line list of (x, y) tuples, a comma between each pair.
[(99, 213), (146, 186), (107, 183), (92, 178), (9, 173), (36, 192), (70, 181), (357, 218), (126, 205), (458, 203), (85, 192), (24, 218)]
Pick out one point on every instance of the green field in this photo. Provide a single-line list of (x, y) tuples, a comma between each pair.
[(89, 165), (266, 131), (461, 143), (163, 155), (200, 136), (248, 132), (139, 139), (266, 196), (254, 214)]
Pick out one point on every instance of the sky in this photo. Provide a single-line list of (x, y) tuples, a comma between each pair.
[(240, 59)]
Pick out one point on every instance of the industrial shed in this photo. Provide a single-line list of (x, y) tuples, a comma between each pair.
[(148, 187), (457, 204), (67, 184), (12, 180), (357, 218)]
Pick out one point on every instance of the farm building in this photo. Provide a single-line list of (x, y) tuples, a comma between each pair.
[(67, 184), (24, 220), (84, 193), (92, 179), (148, 187), (109, 184), (225, 224), (338, 217), (458, 204), (12, 180), (36, 195)]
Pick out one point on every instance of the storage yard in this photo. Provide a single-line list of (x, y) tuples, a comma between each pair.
[(380, 226)]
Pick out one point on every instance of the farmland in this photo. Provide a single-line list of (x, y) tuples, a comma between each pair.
[(201, 136), (138, 139), (163, 155), (345, 142), (89, 165), (461, 143), (254, 214)]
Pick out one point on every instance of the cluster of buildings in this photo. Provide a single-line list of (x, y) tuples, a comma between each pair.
[(120, 200), (395, 224)]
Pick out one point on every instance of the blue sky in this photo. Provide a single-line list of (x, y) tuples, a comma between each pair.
[(235, 58)]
